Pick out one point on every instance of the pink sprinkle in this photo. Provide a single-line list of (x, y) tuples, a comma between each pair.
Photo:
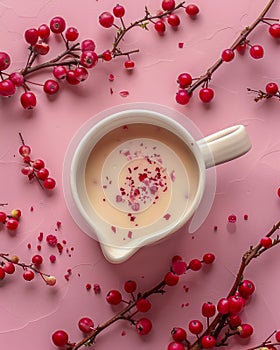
[(111, 77), (52, 258), (64, 241), (113, 228), (96, 288), (58, 224), (40, 237), (123, 333), (129, 235), (232, 218), (180, 45), (167, 216), (124, 93), (39, 247), (59, 247), (29, 245), (111, 91), (118, 198), (31, 208), (245, 217), (69, 271), (66, 277), (135, 206), (51, 240), (215, 228), (172, 176), (88, 286), (186, 289)]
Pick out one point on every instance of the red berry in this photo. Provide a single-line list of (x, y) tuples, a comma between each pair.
[(271, 88), (195, 327), (2, 273), (28, 100), (227, 55), (57, 25), (16, 214), (87, 45), (241, 47), (28, 275), (3, 216), (60, 338), (208, 309), (208, 258), (179, 267), (171, 279), (168, 5), (5, 61), (208, 342), (277, 336), (88, 59), (51, 87), (86, 325), (160, 26), (274, 30), (43, 173), (143, 305), (49, 183), (9, 267), (72, 78), (12, 224), (266, 242), (81, 73), (175, 346), (246, 288), (195, 265), (106, 19), (232, 218), (37, 259), (71, 34), (38, 164), (236, 304), (256, 51), (245, 330), (130, 286), (31, 36), (223, 306), (173, 20), (107, 55), (192, 10), (143, 326), (118, 11), (17, 78), (234, 320), (179, 334), (129, 64), (113, 297), (41, 48), (24, 150), (183, 97), (60, 72), (184, 80), (44, 31), (206, 95), (7, 88)]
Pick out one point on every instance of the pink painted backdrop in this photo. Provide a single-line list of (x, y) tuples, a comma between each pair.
[(30, 312)]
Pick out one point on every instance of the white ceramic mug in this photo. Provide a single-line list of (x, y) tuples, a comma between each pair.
[(137, 176)]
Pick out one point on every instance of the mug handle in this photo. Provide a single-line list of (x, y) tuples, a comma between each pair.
[(224, 145)]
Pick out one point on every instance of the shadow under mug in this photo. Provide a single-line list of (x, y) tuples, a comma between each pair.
[(135, 142)]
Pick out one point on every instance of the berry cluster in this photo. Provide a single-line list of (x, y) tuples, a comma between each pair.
[(73, 63), (271, 90), (10, 220), (8, 267), (166, 16), (187, 84), (138, 303), (35, 168)]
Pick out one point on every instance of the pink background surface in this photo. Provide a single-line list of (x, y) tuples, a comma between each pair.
[(30, 312)]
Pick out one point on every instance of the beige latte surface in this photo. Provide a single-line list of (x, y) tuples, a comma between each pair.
[(140, 178)]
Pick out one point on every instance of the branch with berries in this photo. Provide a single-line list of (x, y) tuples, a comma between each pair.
[(222, 321), (8, 266), (188, 84), (74, 62)]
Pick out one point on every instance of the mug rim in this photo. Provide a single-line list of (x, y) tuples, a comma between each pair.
[(121, 118)]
